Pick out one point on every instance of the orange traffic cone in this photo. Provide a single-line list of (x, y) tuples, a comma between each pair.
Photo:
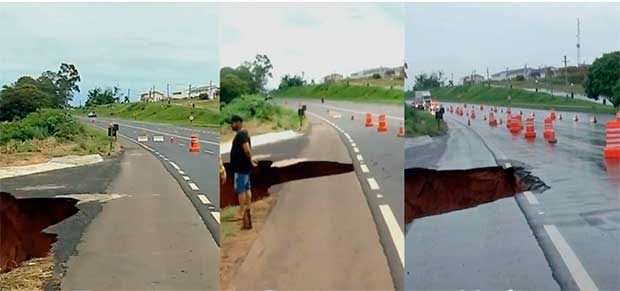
[(382, 127), (530, 132), (516, 124), (612, 150), (492, 120), (194, 145), (401, 131), (481, 107), (549, 133), (473, 114), (369, 120)]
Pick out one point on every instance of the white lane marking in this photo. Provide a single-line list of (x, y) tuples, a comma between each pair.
[(204, 199), (186, 178), (181, 172), (353, 144), (507, 166), (575, 267), (165, 159), (164, 133), (394, 229), (193, 186), (364, 168), (174, 165), (355, 149), (379, 195), (530, 197), (156, 152), (209, 152), (180, 144), (360, 158), (348, 136), (216, 215), (373, 184)]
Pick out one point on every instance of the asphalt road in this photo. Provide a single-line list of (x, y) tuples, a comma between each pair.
[(574, 223), (378, 161), (197, 173), (318, 227)]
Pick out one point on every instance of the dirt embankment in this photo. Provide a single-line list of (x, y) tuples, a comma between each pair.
[(431, 192), (21, 224)]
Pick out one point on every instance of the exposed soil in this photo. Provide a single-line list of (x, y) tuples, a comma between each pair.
[(22, 222), (431, 192), (264, 176), (236, 247)]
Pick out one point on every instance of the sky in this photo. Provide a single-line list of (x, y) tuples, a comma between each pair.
[(314, 39), (135, 46), (460, 38)]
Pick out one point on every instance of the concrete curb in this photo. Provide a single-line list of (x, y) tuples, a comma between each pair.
[(53, 164)]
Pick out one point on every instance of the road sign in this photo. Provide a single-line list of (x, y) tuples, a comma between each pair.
[(143, 138), (191, 118), (158, 138)]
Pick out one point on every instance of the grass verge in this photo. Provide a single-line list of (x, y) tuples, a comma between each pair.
[(46, 134), (343, 92), (419, 123), (236, 243), (213, 105), (259, 116), (519, 98), (158, 112), (33, 274)]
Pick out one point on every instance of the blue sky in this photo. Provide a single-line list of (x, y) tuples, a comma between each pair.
[(460, 38), (133, 46), (317, 39)]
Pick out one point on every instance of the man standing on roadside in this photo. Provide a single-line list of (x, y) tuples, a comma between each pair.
[(241, 163)]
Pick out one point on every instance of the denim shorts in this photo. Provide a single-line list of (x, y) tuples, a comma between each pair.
[(242, 182)]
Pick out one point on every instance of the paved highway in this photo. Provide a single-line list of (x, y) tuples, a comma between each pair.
[(378, 161), (574, 224), (197, 173)]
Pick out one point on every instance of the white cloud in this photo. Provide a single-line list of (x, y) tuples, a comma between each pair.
[(317, 39)]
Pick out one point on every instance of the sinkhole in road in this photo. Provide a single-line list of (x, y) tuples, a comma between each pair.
[(431, 192), (22, 222), (265, 175)]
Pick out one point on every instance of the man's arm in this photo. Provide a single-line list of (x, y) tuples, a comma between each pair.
[(247, 150)]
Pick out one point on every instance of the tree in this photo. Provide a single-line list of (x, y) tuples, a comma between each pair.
[(99, 96), (604, 78), (428, 81), (289, 81), (376, 76), (231, 87), (20, 99)]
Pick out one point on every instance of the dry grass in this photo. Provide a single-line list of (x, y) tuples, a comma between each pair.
[(236, 243), (30, 275), (254, 127)]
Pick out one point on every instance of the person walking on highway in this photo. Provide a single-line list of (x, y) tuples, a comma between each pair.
[(241, 164)]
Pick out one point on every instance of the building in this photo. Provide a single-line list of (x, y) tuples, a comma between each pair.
[(210, 92), (152, 96), (383, 72), (472, 79), (333, 78), (527, 73)]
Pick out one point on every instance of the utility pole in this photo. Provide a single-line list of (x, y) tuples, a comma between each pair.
[(189, 92), (508, 78), (565, 71), (488, 80), (128, 93)]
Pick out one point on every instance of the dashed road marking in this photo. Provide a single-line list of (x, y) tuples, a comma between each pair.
[(379, 195), (353, 144), (394, 229), (193, 186), (181, 172), (174, 165), (581, 277), (209, 152), (186, 178), (216, 215), (355, 149), (373, 184), (364, 168), (204, 199), (360, 158), (530, 197)]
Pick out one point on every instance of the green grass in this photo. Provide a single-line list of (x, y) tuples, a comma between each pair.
[(520, 98), (419, 123), (228, 227), (213, 105), (158, 112), (50, 133), (555, 85), (259, 116), (383, 83), (343, 92)]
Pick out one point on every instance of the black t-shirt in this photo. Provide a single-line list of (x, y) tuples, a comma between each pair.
[(239, 161)]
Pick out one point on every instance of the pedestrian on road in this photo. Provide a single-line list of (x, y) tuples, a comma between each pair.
[(241, 163)]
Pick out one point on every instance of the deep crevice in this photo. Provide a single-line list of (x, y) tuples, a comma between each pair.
[(22, 222), (432, 192), (265, 175)]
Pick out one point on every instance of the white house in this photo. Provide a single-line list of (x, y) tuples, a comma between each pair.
[(152, 96), (210, 91)]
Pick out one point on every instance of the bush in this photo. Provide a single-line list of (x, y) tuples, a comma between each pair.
[(41, 124)]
